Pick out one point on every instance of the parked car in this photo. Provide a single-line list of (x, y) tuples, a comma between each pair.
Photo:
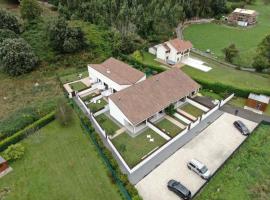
[(241, 127), (179, 189), (199, 168)]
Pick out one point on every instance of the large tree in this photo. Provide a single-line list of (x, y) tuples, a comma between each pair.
[(230, 52), (9, 21), (30, 9), (17, 57), (262, 59), (7, 34)]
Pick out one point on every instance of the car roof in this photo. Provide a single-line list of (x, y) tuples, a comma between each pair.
[(182, 188), (197, 163)]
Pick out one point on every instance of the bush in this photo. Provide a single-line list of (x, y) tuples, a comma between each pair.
[(17, 57), (14, 152), (30, 9), (26, 131), (64, 113), (7, 34), (9, 21)]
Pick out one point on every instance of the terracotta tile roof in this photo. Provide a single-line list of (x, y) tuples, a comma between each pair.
[(180, 45), (118, 71), (144, 99)]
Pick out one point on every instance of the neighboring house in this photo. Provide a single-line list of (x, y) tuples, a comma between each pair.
[(3, 165), (113, 75), (147, 100), (242, 17), (172, 51), (258, 102)]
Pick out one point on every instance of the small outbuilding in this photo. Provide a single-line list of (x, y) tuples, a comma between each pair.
[(243, 17), (258, 102), (3, 165)]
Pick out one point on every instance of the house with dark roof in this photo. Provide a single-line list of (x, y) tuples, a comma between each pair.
[(147, 100), (113, 75), (172, 51)]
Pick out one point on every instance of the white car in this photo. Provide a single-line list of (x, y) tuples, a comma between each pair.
[(199, 168)]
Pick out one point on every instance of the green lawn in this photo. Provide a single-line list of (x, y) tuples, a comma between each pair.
[(194, 111), (230, 76), (107, 124), (149, 59), (182, 122), (59, 163), (89, 97), (94, 107), (73, 77), (78, 86), (168, 127), (134, 149), (211, 94), (246, 175), (216, 37)]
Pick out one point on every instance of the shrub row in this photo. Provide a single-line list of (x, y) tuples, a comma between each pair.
[(132, 191), (27, 131), (223, 89), (141, 66)]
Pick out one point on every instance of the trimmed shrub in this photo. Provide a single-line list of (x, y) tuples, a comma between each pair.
[(14, 152), (26, 131), (9, 21), (30, 9), (7, 34)]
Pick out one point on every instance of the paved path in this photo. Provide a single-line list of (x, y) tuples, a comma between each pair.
[(175, 122), (184, 113), (247, 114), (118, 132)]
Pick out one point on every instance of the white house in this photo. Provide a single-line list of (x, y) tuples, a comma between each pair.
[(172, 51), (147, 100), (113, 75)]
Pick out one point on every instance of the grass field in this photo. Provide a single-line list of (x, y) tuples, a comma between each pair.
[(246, 175), (211, 94), (59, 163), (77, 86), (230, 76), (167, 126), (134, 149), (194, 111), (107, 124), (216, 37), (94, 107)]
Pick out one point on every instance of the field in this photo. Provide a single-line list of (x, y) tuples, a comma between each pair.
[(216, 37), (59, 163), (230, 76), (246, 175), (134, 149)]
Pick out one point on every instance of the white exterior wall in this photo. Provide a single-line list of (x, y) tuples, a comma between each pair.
[(173, 54), (93, 74), (161, 52), (117, 114), (152, 50)]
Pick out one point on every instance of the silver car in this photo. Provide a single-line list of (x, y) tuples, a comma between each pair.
[(199, 168)]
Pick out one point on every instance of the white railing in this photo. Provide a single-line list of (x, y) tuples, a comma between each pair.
[(226, 100), (158, 131), (83, 104), (198, 105)]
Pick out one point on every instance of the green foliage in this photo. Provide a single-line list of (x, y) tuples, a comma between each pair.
[(170, 110), (7, 34), (30, 9), (262, 60), (138, 55), (14, 152), (9, 21), (17, 57), (64, 113), (63, 38), (26, 131), (230, 52)]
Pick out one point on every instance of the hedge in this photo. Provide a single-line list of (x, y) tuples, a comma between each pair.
[(18, 136), (222, 88), (141, 66)]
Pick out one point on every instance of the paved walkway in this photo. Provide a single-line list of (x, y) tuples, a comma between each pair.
[(177, 123), (119, 132), (186, 114), (247, 114)]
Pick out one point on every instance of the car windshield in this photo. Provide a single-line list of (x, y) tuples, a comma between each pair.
[(204, 169)]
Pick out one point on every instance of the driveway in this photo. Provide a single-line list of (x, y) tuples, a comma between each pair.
[(212, 146)]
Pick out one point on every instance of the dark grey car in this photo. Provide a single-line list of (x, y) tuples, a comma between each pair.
[(179, 189), (241, 127)]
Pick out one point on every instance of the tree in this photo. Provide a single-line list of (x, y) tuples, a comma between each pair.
[(14, 152), (138, 55), (262, 59), (9, 21), (30, 9), (17, 57), (170, 110), (230, 52), (260, 62), (64, 113), (7, 34), (63, 38)]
